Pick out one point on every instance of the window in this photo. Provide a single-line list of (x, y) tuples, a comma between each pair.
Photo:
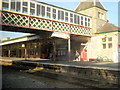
[(104, 39), (66, 16), (13, 4), (38, 10), (54, 13), (100, 15), (43, 11), (81, 20), (110, 39), (60, 15), (32, 8), (48, 12), (104, 46), (18, 6), (78, 20), (5, 4), (88, 22), (25, 7), (71, 18), (85, 21), (75, 19), (109, 45), (107, 42)]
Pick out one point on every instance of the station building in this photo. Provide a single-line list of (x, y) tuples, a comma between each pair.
[(103, 41)]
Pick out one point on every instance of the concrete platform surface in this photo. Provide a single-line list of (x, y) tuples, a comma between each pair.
[(87, 64)]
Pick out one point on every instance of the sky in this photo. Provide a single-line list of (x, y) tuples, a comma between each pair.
[(110, 5)]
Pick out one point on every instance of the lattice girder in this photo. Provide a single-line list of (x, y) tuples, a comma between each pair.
[(26, 21), (14, 19)]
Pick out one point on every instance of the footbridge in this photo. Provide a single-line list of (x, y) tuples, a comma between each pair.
[(32, 16)]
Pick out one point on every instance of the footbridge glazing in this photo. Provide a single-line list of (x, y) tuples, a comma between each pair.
[(34, 14)]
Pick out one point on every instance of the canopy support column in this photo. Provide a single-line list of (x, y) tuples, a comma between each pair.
[(69, 49)]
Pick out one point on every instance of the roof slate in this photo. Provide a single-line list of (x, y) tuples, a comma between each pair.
[(108, 27), (88, 4)]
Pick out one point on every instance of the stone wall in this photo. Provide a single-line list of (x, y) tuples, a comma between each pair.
[(95, 46), (96, 22)]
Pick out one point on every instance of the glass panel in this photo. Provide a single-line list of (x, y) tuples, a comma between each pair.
[(71, 18), (58, 14), (110, 45), (110, 39), (81, 20), (104, 39), (43, 11), (5, 5), (48, 9), (62, 15), (78, 18), (88, 22), (104, 46), (48, 15), (18, 6), (24, 10), (32, 5), (32, 11), (75, 19), (13, 5), (66, 18), (54, 10), (66, 13), (54, 16), (32, 8), (25, 7), (54, 13), (38, 10), (48, 12), (25, 4)]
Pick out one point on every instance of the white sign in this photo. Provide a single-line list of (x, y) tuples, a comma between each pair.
[(60, 35)]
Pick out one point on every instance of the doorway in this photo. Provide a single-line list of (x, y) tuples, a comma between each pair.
[(47, 50)]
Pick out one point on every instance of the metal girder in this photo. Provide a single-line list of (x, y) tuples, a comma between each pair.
[(25, 21)]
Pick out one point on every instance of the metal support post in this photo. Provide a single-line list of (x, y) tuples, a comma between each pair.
[(54, 51), (69, 50), (25, 53), (9, 53)]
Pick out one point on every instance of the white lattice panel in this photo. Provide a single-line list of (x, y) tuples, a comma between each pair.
[(13, 19), (57, 26), (40, 23), (43, 24)]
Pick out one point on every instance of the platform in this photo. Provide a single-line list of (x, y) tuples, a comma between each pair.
[(86, 64)]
